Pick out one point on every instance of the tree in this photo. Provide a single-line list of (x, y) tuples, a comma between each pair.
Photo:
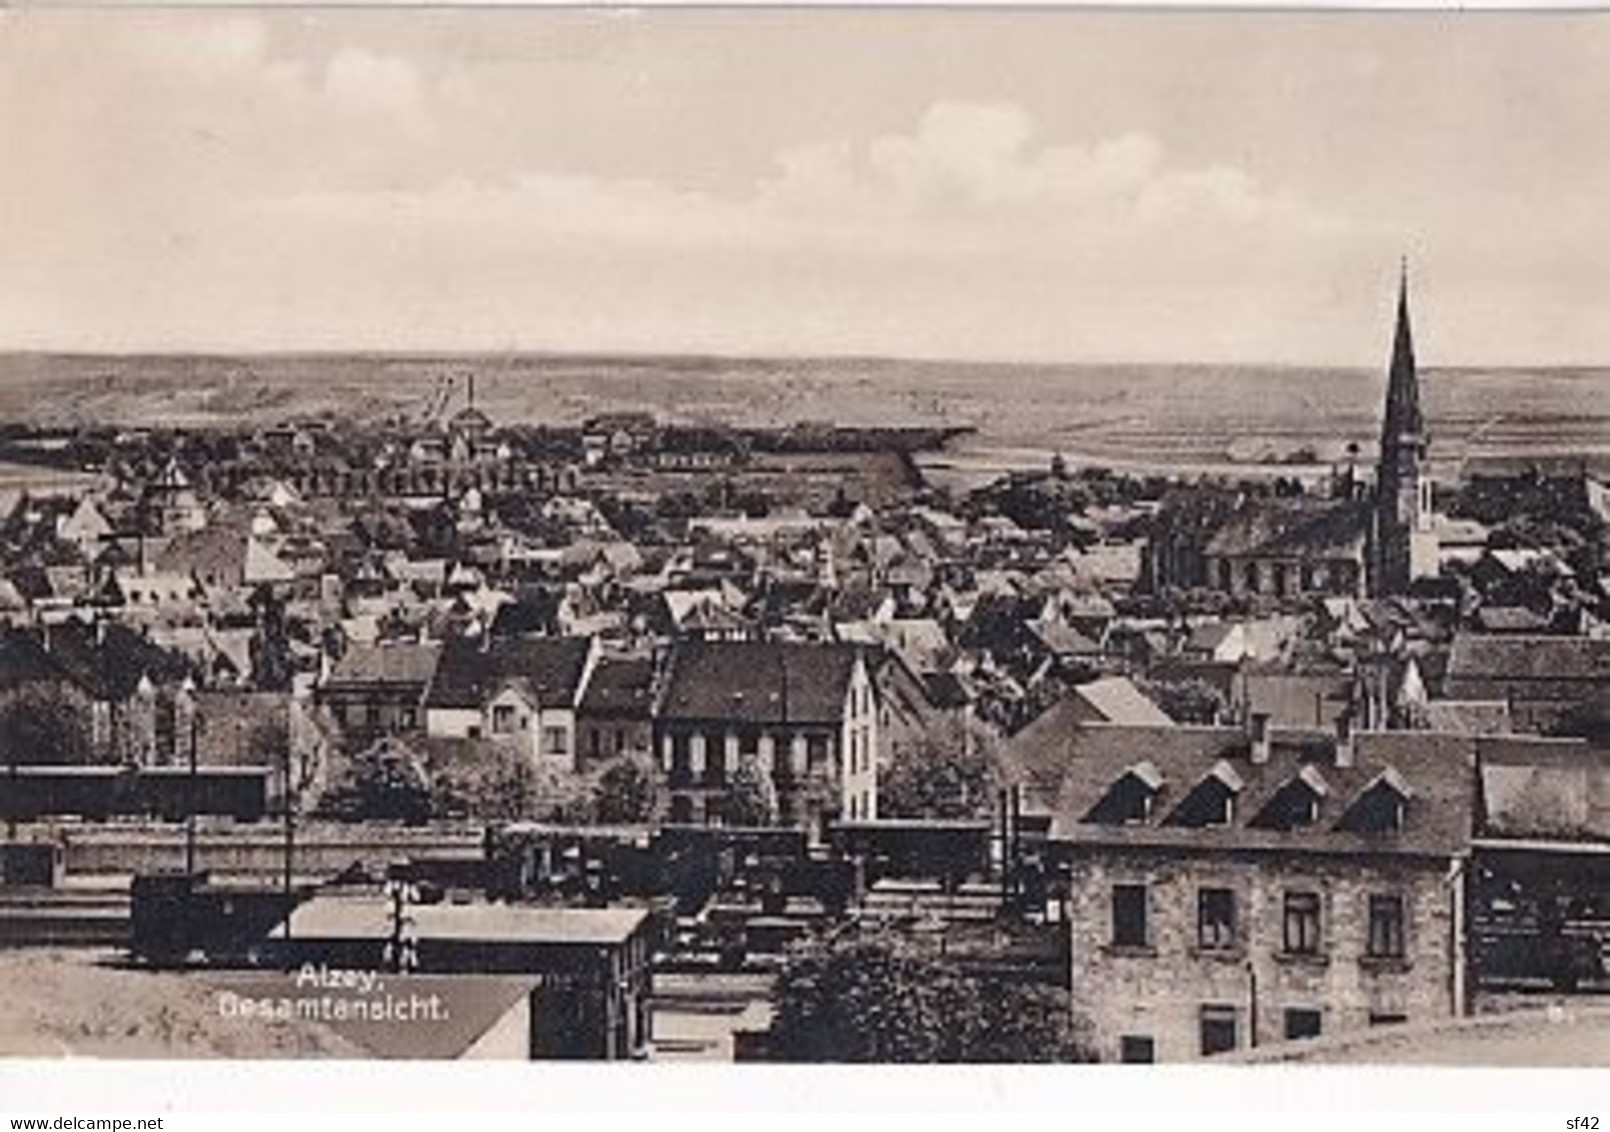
[(384, 783), (753, 797), (503, 789), (883, 998), (949, 771), (270, 646), (1186, 701), (40, 724), (625, 792)]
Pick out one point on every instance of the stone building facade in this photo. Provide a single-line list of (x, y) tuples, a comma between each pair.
[(1235, 950), (1238, 886)]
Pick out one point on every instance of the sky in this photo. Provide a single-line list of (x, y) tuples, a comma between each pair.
[(1027, 184)]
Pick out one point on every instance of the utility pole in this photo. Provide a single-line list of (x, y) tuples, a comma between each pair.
[(189, 689), (288, 802)]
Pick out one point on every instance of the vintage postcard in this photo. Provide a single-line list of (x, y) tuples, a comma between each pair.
[(805, 535)]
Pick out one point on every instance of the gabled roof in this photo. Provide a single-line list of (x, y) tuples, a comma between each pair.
[(109, 661), (386, 664), (1072, 770), (1545, 790), (546, 670), (620, 689), (758, 681), (1292, 528), (23, 660), (1537, 667), (1115, 699), (1468, 717)]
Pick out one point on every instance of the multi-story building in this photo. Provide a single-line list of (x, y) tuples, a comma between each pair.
[(523, 692), (1234, 887), (805, 715)]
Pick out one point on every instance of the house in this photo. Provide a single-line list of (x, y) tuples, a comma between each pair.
[(377, 690), (1229, 888), (616, 716), (806, 713), (136, 689), (589, 966), (524, 691), (87, 527), (1545, 680)]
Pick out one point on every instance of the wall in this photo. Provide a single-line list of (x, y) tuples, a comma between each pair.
[(859, 748), (255, 849), (1159, 993)]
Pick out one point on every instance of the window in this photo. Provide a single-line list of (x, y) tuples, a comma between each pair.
[(816, 750), (1386, 927), (555, 741), (1215, 919), (1302, 1023), (502, 718), (715, 760), (1129, 915), (595, 742), (1136, 1049), (1218, 1029), (681, 761), (1387, 1018), (1302, 923)]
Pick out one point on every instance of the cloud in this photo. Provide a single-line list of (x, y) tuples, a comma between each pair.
[(225, 187), (361, 81)]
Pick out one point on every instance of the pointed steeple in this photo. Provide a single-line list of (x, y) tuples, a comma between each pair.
[(1403, 420)]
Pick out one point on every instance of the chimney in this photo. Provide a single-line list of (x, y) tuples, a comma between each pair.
[(1344, 739), (1258, 733)]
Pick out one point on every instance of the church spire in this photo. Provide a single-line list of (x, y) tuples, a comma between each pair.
[(1403, 420), (1404, 547)]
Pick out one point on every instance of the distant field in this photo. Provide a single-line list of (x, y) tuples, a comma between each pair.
[(41, 481), (1139, 416)]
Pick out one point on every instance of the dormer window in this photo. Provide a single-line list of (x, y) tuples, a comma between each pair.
[(1211, 801), (1381, 806), (1296, 804), (1130, 799)]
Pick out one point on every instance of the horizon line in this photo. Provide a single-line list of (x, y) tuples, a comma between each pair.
[(425, 353)]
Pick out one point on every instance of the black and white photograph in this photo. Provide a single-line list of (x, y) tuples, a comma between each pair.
[(805, 535)]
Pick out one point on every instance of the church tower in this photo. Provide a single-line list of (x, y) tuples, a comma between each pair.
[(1403, 545)]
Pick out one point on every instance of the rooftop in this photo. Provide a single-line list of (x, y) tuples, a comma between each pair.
[(370, 917)]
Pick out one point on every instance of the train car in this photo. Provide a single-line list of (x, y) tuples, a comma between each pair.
[(949, 851), (99, 793)]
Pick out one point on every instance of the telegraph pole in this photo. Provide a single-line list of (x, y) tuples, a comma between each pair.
[(189, 689)]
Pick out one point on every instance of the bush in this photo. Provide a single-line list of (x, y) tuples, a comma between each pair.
[(883, 999)]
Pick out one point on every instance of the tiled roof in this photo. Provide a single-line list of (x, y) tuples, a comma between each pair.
[(1292, 527), (548, 670), (1071, 772), (620, 688), (1468, 717), (758, 681), (108, 662), (1555, 790), (386, 664), (1540, 667), (23, 660), (1117, 700)]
